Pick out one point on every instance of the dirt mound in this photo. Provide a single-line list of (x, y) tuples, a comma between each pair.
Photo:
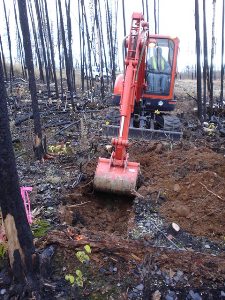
[(192, 181)]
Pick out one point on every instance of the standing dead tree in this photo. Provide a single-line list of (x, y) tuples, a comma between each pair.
[(69, 35), (155, 16), (51, 49), (124, 19), (59, 52), (11, 74), (147, 15), (205, 62), (3, 59), (37, 49), (212, 61), (38, 147), (41, 36), (100, 46), (68, 73), (88, 41), (199, 86), (111, 38), (24, 261), (222, 62)]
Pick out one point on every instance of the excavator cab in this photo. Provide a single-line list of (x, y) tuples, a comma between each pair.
[(157, 92), (160, 73)]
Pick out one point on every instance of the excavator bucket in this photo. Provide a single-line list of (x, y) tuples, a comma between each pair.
[(116, 179)]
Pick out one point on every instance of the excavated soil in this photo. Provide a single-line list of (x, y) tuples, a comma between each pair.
[(192, 180)]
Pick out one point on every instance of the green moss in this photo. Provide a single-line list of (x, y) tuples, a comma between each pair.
[(40, 228)]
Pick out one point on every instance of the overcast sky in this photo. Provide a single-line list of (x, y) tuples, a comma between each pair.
[(176, 19)]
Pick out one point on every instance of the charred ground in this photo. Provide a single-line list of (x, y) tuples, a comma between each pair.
[(135, 255)]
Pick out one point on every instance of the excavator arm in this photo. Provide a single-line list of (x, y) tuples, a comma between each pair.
[(117, 174), (133, 83)]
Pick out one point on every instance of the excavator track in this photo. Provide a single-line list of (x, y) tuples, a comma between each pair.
[(171, 123)]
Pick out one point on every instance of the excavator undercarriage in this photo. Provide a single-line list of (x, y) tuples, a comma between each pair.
[(152, 126)]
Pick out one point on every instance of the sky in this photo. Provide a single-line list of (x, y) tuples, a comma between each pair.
[(176, 19)]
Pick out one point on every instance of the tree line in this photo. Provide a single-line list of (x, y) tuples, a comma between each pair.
[(205, 63)]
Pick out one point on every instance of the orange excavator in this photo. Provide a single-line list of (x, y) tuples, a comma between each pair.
[(144, 91)]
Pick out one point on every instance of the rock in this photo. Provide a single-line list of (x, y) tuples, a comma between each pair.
[(42, 187), (159, 148), (115, 269), (207, 246), (194, 296), (180, 273), (182, 210), (2, 291), (156, 295), (168, 297), (176, 278), (139, 287), (222, 294), (102, 270), (171, 296), (176, 188)]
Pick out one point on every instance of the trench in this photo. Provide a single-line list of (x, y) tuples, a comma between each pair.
[(100, 212)]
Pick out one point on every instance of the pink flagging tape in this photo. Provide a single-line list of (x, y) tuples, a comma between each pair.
[(26, 200)]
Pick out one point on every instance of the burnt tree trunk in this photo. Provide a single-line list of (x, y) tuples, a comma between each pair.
[(211, 63), (199, 85), (158, 18), (24, 261), (147, 18), (143, 7), (103, 44), (205, 63), (41, 35), (19, 44), (81, 47), (155, 16), (3, 59), (51, 50), (124, 19), (69, 35), (59, 52), (38, 147), (100, 47), (68, 75), (88, 42), (222, 55), (9, 43), (42, 78)]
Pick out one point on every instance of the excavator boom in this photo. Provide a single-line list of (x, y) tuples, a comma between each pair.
[(118, 174)]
